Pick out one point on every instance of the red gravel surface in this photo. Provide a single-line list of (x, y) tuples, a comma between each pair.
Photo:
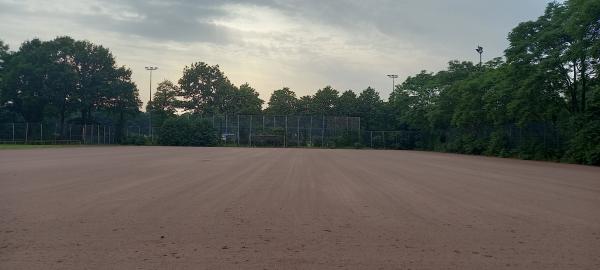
[(239, 208)]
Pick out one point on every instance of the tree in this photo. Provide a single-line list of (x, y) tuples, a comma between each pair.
[(205, 89), (305, 105), (3, 54), (95, 68), (25, 81), (347, 104), (122, 99), (246, 100), (324, 102), (370, 107), (5, 114), (164, 102), (51, 79), (282, 102)]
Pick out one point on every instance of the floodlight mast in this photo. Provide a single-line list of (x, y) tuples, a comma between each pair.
[(150, 68), (479, 50), (394, 77)]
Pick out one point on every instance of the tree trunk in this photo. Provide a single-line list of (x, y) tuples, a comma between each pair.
[(83, 117), (583, 83), (62, 122), (120, 126), (574, 91)]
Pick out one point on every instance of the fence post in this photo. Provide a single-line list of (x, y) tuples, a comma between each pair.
[(371, 139), (104, 134), (41, 132), (109, 142), (26, 131), (250, 133), (98, 131), (383, 138), (70, 137), (286, 131), (310, 134), (323, 133), (13, 132), (359, 132), (334, 126), (238, 130), (297, 131)]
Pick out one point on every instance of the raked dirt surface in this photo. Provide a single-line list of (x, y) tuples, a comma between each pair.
[(240, 208)]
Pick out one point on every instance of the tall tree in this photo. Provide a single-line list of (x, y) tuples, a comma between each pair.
[(282, 102), (122, 98), (164, 102), (205, 89), (325, 101), (25, 81), (347, 104), (370, 107), (305, 105), (246, 100)]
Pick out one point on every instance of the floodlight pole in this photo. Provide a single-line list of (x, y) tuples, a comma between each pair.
[(150, 68), (394, 77), (479, 50)]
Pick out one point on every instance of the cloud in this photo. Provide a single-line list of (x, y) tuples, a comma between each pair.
[(303, 44)]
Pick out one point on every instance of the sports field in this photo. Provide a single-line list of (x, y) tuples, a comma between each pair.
[(242, 208)]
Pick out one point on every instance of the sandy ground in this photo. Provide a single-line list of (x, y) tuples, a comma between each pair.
[(237, 208)]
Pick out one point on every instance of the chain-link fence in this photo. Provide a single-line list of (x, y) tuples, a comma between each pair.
[(240, 130), (307, 131), (53, 133), (286, 131)]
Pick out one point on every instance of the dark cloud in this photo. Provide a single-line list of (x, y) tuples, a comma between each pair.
[(305, 43)]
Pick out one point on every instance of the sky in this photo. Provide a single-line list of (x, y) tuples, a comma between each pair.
[(302, 44)]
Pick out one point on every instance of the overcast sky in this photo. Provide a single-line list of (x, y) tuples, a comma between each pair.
[(302, 44)]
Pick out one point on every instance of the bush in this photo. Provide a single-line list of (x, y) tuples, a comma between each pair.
[(584, 148), (136, 140), (183, 131)]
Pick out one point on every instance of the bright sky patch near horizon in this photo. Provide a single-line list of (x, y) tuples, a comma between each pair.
[(304, 45)]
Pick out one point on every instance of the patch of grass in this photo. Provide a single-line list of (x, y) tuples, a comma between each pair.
[(35, 146)]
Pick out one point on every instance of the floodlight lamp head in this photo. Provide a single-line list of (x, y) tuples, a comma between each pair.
[(151, 68)]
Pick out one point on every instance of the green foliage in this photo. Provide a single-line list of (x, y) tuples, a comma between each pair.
[(282, 102), (164, 102), (136, 140), (325, 101), (347, 103), (55, 79), (202, 86), (184, 131)]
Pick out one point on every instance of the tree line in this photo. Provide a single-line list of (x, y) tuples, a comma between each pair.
[(65, 80), (541, 100)]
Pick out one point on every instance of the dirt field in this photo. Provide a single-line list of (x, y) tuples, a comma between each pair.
[(236, 208)]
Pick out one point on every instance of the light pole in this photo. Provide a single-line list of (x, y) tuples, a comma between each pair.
[(480, 51), (394, 77), (150, 68)]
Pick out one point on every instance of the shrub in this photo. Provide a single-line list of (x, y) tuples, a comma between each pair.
[(183, 131), (584, 148), (135, 140)]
